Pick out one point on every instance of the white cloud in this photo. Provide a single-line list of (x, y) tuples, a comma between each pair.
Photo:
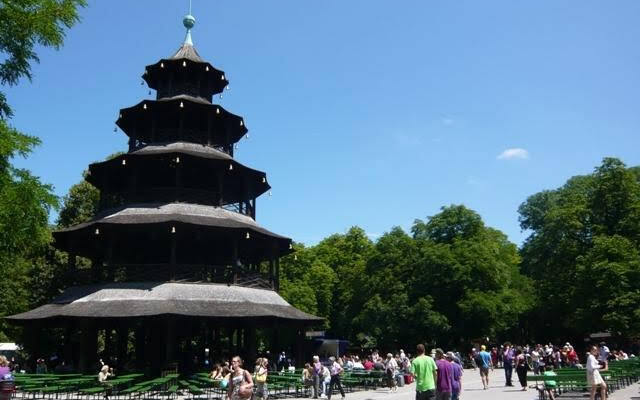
[(448, 121), (514, 154), (473, 181)]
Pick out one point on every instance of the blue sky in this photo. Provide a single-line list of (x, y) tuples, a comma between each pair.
[(369, 113)]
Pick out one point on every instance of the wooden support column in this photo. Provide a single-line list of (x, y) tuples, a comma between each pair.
[(231, 349), (32, 335), (209, 124), (172, 261), (154, 351), (122, 332), (170, 339), (96, 269), (216, 344), (237, 341), (67, 352), (109, 260), (88, 346), (108, 344), (251, 345), (71, 266), (253, 208), (300, 347), (179, 180), (277, 278), (133, 182), (140, 340), (245, 197), (220, 176), (154, 129), (234, 259), (275, 339), (272, 269)]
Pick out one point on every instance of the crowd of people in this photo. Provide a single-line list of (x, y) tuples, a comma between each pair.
[(437, 375), (543, 360)]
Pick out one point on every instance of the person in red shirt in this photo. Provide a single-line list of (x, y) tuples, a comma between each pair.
[(494, 356), (368, 365), (572, 357)]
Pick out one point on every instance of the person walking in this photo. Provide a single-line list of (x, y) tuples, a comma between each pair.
[(240, 384), (485, 362), (507, 362), (326, 380), (456, 387), (262, 371), (317, 376), (593, 375), (424, 370), (336, 370), (535, 360), (444, 380), (521, 367)]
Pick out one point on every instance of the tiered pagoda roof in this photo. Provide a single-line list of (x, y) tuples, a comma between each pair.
[(176, 206)]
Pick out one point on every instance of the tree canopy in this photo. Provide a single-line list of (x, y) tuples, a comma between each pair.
[(454, 279), (25, 202), (582, 253)]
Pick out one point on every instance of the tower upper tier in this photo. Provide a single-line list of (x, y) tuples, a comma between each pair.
[(185, 73)]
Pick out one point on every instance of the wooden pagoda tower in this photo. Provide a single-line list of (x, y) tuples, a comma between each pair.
[(176, 252)]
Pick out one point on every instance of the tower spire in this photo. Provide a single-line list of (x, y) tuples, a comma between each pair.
[(188, 21)]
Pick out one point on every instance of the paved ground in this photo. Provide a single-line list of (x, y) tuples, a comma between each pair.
[(472, 389)]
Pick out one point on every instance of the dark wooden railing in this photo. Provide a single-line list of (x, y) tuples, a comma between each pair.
[(241, 275)]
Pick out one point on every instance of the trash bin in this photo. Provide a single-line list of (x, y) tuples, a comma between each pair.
[(6, 389)]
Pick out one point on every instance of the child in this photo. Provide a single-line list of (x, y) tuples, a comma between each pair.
[(549, 384)]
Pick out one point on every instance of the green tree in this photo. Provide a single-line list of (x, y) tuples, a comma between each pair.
[(79, 205), (347, 255), (473, 271), (454, 280), (307, 283), (25, 202), (584, 235)]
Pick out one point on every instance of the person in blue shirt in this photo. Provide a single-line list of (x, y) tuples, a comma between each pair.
[(484, 364)]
